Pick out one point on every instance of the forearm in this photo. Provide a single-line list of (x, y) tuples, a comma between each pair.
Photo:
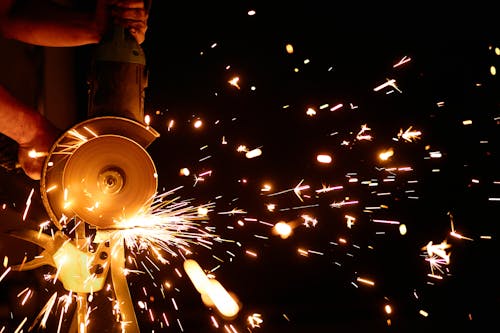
[(48, 24), (18, 121)]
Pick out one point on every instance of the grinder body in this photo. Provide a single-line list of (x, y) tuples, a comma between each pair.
[(118, 77)]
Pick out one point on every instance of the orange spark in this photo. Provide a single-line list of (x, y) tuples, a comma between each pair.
[(234, 82)]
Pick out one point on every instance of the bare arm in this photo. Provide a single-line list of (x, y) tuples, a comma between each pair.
[(34, 133), (46, 23)]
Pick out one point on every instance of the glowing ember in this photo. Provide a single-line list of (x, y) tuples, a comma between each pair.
[(198, 123), (324, 158), (254, 153), (235, 82), (385, 155), (283, 229)]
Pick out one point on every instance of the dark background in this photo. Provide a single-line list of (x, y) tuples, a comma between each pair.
[(352, 49)]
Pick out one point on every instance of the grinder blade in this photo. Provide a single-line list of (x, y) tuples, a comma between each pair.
[(124, 176), (107, 179)]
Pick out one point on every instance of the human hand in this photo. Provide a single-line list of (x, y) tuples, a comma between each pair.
[(31, 154), (131, 14)]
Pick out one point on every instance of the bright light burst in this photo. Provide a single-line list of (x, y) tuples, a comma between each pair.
[(169, 225)]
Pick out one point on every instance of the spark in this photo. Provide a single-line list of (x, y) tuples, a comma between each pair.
[(439, 250), (255, 320), (170, 125), (251, 253), (365, 281), (298, 189), (234, 82), (19, 328), (214, 322), (198, 123), (271, 207), (343, 203), (385, 155), (165, 319), (350, 221), (311, 112), (308, 220), (51, 188), (325, 188), (266, 188), (386, 221), (28, 204), (233, 212), (434, 276), (197, 179), (454, 233), (168, 224), (342, 240), (315, 252), (302, 252), (206, 173), (253, 153), (389, 82), (423, 313), (324, 158), (403, 61), (211, 290), (437, 255), (283, 229), (43, 315), (336, 107), (5, 273), (242, 148), (184, 172), (361, 134), (28, 293), (409, 134)]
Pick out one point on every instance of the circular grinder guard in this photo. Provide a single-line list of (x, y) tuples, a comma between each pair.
[(99, 171)]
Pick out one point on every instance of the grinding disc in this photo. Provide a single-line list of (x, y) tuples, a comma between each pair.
[(108, 179), (99, 172)]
